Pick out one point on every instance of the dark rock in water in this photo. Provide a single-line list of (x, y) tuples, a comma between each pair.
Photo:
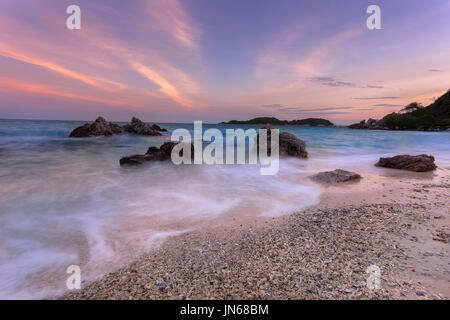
[(370, 124), (158, 128), (134, 159), (335, 176), (292, 146), (289, 144), (100, 127), (420, 163), (139, 127), (162, 153)]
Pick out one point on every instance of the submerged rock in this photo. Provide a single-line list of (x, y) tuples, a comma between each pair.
[(162, 153), (100, 127), (289, 144), (335, 176), (419, 163), (139, 127)]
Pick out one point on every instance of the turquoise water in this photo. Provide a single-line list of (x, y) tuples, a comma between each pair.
[(67, 201)]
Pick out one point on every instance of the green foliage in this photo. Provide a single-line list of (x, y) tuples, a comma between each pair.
[(434, 117), (412, 107), (312, 122)]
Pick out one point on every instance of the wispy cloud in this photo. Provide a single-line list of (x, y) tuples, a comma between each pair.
[(387, 105), (299, 110), (46, 90), (171, 17), (164, 85), (98, 82), (332, 82), (276, 105), (377, 98), (371, 86)]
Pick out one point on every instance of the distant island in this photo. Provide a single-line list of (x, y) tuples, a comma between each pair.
[(435, 117), (313, 122)]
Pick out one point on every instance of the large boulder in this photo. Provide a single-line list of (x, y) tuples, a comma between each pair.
[(100, 127), (292, 146), (139, 127), (419, 163), (162, 153), (289, 144), (335, 176)]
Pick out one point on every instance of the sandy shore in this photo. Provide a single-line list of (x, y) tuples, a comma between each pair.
[(398, 221)]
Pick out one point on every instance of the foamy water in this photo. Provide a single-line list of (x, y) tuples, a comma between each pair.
[(67, 201)]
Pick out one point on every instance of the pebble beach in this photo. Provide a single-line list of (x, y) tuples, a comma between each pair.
[(399, 223)]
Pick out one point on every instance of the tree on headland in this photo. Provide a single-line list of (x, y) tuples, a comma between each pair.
[(416, 116), (413, 106)]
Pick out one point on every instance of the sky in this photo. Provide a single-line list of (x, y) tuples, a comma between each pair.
[(217, 60)]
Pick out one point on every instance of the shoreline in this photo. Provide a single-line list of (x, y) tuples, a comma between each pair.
[(321, 252)]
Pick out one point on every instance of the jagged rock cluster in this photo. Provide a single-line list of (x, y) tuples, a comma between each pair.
[(371, 124), (101, 127)]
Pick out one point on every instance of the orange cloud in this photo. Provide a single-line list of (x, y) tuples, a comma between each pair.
[(101, 83), (164, 85), (45, 90)]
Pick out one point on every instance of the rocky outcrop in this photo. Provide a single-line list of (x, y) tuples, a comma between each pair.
[(336, 176), (289, 144), (162, 153), (158, 128), (370, 124), (100, 127), (419, 163), (139, 127)]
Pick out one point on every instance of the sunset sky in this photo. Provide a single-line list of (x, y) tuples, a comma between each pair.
[(217, 60)]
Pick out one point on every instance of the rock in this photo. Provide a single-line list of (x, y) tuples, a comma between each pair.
[(419, 163), (289, 144), (100, 127), (158, 128), (335, 176), (133, 160), (420, 293), (162, 153), (139, 127), (370, 124), (292, 146)]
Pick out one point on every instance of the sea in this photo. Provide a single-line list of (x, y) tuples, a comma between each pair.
[(67, 201)]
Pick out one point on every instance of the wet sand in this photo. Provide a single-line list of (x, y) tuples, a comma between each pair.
[(398, 221)]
